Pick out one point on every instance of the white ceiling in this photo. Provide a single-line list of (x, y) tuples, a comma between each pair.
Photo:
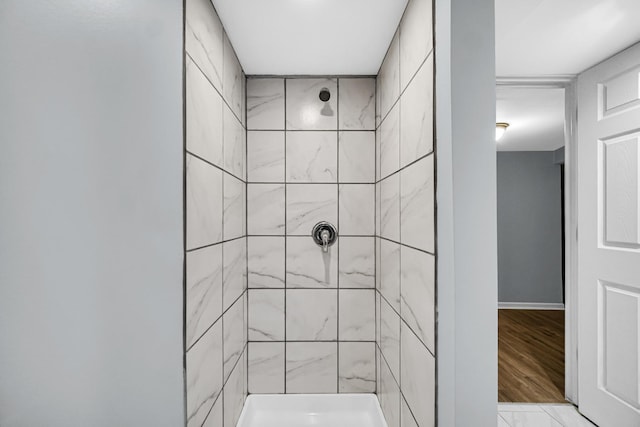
[(535, 117), (555, 37), (301, 37)]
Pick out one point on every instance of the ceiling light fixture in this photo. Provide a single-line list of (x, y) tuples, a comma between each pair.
[(501, 128)]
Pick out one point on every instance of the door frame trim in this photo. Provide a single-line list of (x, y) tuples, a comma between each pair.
[(569, 84)]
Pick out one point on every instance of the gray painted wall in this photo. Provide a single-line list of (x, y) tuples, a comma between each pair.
[(91, 228), (529, 227)]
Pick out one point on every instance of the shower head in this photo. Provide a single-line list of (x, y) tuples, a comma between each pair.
[(325, 95)]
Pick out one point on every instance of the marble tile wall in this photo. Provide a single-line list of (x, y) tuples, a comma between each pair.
[(404, 223), (311, 315), (216, 235)]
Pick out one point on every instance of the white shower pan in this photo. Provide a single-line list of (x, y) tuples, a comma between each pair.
[(312, 410)]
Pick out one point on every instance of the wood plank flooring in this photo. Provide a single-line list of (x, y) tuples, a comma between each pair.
[(531, 356)]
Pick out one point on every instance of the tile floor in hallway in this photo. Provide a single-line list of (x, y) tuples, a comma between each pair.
[(532, 415)]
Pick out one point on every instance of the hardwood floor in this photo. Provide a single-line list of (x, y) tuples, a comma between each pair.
[(531, 356)]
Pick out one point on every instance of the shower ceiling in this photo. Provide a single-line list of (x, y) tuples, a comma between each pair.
[(303, 37)]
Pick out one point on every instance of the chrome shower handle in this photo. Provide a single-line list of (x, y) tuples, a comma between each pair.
[(324, 234)]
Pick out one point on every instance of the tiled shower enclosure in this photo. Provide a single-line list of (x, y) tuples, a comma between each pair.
[(267, 311)]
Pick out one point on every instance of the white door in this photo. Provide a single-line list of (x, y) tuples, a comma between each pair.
[(609, 241)]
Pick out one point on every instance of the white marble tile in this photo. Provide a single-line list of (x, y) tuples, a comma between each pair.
[(204, 375), (529, 419), (265, 103), (377, 207), (416, 120), (312, 367), (356, 367), (204, 39), (266, 367), (356, 157), (418, 377), (312, 156), (502, 422), (266, 258), (305, 110), (357, 103), (378, 316), (234, 273), (266, 314), (390, 272), (389, 396), (567, 415), (308, 204), (233, 80), (357, 209), (265, 209), (417, 302), (204, 290), (357, 262), (204, 203), (234, 145), (390, 208), (519, 407), (235, 394), (389, 78), (214, 419), (309, 267), (234, 333), (204, 116), (390, 337), (406, 417), (416, 38), (378, 274), (417, 210), (234, 214), (357, 315), (312, 314), (390, 143), (378, 159), (265, 156)]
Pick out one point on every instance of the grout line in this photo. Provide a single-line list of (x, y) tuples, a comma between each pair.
[(213, 244), (184, 213), (214, 165), (338, 236), (285, 238), (219, 318)]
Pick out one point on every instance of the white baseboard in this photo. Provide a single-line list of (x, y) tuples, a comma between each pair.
[(530, 306)]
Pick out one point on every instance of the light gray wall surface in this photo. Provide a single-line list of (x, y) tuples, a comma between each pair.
[(529, 227), (91, 218)]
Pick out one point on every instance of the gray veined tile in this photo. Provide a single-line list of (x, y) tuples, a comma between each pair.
[(233, 80), (234, 207), (204, 116), (308, 266), (378, 211), (305, 110), (390, 143), (418, 378), (389, 395), (389, 78), (312, 314), (266, 367), (204, 39), (502, 422), (234, 394), (378, 316), (234, 273), (312, 367), (204, 203), (416, 121), (265, 103), (204, 290), (266, 314), (357, 103), (308, 204), (390, 337), (390, 272), (417, 205), (356, 157), (204, 375), (390, 208), (214, 419), (266, 209), (406, 417), (265, 156), (312, 157), (357, 209), (356, 367), (266, 260), (378, 159), (357, 262), (357, 315), (234, 145), (234, 335), (416, 38), (567, 415), (418, 293), (529, 419)]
